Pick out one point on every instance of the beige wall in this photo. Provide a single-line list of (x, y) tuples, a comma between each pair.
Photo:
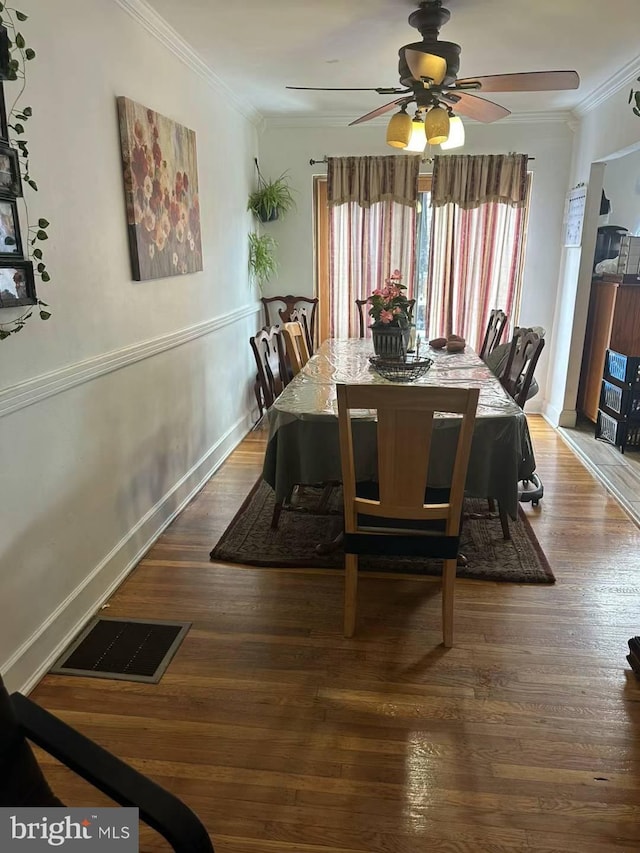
[(608, 128), (113, 411)]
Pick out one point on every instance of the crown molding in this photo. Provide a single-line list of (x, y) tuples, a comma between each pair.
[(156, 25), (627, 74), (48, 384), (341, 120)]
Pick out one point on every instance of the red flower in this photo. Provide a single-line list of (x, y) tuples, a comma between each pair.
[(157, 154), (139, 165)]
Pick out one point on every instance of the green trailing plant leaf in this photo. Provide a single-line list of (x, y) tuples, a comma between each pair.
[(19, 54), (262, 260)]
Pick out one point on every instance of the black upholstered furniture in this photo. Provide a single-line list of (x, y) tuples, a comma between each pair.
[(22, 782)]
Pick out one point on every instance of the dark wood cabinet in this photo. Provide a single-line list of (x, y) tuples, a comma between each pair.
[(613, 323)]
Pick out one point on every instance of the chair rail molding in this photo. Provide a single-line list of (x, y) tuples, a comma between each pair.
[(48, 384), (156, 25)]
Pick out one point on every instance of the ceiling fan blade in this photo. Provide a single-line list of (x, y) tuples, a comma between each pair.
[(529, 81), (478, 108), (381, 110), (425, 65), (381, 90)]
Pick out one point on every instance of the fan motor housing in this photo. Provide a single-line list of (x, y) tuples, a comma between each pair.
[(448, 50)]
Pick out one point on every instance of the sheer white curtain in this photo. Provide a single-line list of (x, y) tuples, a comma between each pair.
[(366, 244)]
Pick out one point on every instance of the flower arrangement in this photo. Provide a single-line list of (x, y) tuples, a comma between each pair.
[(389, 305)]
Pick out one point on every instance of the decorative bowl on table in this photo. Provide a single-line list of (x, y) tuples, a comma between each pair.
[(400, 368)]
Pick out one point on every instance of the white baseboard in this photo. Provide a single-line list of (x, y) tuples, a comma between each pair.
[(36, 655), (559, 417)]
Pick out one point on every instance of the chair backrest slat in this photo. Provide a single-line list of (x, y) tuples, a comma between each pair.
[(268, 352), (296, 346), (526, 346), (288, 303), (405, 419), (493, 334)]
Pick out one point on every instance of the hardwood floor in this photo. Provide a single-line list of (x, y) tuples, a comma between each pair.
[(286, 738), (620, 472)]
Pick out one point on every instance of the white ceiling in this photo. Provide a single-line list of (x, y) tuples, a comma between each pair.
[(257, 47)]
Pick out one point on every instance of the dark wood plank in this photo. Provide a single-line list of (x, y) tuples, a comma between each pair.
[(286, 737)]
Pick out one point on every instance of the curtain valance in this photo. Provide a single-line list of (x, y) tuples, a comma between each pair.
[(472, 180), (366, 180)]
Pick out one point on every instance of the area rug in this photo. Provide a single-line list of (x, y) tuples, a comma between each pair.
[(250, 541)]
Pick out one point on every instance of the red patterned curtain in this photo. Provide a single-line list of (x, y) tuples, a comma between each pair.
[(476, 243)]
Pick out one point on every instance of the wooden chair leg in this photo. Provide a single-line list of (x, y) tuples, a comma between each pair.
[(448, 589), (350, 593), (275, 518), (257, 390), (504, 521)]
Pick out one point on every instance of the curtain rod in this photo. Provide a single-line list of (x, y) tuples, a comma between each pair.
[(325, 159)]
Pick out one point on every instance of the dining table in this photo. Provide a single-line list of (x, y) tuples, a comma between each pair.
[(303, 442)]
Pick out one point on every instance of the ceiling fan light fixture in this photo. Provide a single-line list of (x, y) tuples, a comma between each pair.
[(426, 65), (399, 129), (436, 125), (418, 139), (456, 134)]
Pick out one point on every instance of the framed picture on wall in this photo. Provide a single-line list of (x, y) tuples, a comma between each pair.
[(4, 126), (10, 181), (161, 190), (10, 242), (17, 283)]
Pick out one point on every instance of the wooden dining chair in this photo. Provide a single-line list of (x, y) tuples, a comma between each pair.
[(295, 346), (493, 333), (516, 378), (526, 346), (299, 315), (268, 351), (363, 314), (289, 303), (397, 520)]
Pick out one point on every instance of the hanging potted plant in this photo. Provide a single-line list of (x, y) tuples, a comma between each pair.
[(272, 198), (262, 260)]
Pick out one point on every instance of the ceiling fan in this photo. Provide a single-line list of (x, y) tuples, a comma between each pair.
[(429, 77)]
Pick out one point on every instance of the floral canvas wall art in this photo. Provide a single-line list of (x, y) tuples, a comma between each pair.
[(161, 189)]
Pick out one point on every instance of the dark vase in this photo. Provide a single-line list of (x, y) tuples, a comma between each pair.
[(390, 340)]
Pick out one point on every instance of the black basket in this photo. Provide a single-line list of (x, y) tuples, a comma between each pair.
[(618, 431), (399, 369), (622, 401), (624, 368)]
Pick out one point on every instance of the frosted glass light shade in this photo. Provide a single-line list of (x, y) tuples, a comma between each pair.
[(456, 135), (418, 138), (425, 65), (399, 130), (436, 126)]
